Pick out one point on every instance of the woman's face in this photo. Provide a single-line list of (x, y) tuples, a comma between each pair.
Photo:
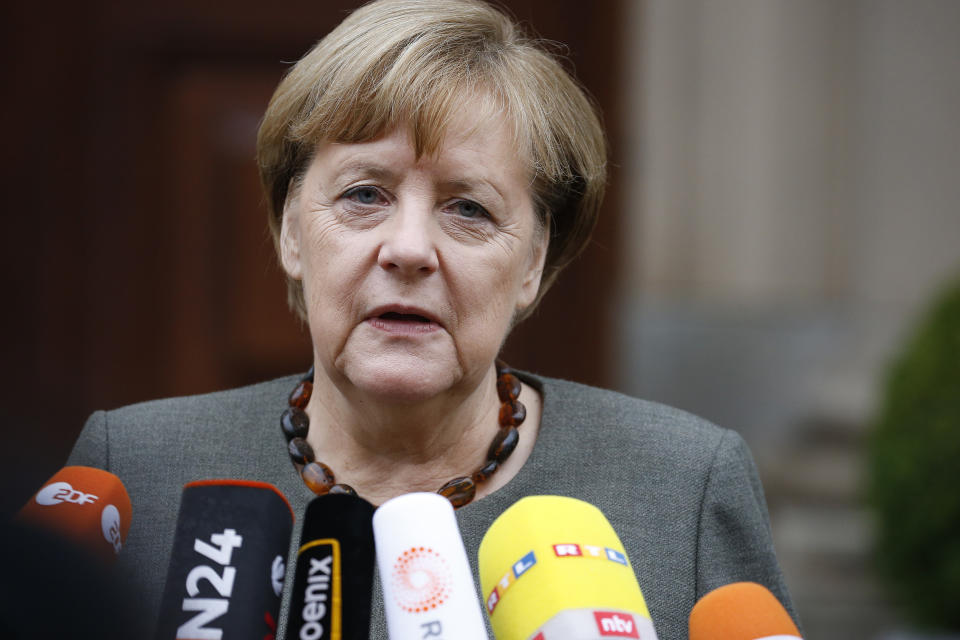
[(413, 269)]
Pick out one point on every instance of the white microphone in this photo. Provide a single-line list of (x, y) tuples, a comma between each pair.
[(428, 588)]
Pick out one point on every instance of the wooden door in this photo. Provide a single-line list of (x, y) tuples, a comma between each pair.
[(136, 259)]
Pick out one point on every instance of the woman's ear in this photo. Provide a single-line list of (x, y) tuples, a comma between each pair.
[(290, 238), (538, 256)]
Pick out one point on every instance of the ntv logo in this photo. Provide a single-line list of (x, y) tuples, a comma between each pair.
[(611, 623), (62, 492)]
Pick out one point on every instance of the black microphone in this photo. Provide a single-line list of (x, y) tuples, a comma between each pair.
[(53, 588), (333, 580), (227, 567)]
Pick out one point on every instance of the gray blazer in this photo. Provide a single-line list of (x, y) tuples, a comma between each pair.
[(682, 494)]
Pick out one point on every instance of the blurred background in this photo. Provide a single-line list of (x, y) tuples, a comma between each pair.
[(782, 209)]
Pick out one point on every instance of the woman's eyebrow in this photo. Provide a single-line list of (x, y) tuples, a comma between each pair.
[(470, 185), (365, 169)]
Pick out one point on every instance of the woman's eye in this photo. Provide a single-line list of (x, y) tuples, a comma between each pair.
[(469, 209), (364, 195)]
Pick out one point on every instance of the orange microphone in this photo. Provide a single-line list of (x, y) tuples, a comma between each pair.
[(87, 506), (741, 611)]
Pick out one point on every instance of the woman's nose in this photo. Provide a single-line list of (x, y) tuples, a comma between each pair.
[(408, 246)]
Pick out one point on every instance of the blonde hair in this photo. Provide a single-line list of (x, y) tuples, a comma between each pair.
[(414, 63)]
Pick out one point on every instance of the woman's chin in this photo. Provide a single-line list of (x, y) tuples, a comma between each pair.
[(403, 383)]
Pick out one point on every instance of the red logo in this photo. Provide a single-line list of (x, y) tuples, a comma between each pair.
[(421, 580), (566, 550), (272, 625), (492, 601), (617, 625)]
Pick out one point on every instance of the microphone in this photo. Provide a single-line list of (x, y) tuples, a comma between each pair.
[(51, 588), (87, 506), (333, 579), (227, 567), (428, 589), (741, 611), (552, 568), (58, 556)]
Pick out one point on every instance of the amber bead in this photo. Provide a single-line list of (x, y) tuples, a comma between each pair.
[(294, 423), (459, 491), (300, 451), (344, 489), (508, 387), (300, 395), (483, 473), (512, 413), (504, 444), (318, 477)]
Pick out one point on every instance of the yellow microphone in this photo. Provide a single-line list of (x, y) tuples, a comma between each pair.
[(552, 568)]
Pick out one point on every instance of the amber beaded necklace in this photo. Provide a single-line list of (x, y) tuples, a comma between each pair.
[(295, 424)]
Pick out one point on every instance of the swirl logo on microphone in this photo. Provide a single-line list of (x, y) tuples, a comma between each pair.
[(421, 580)]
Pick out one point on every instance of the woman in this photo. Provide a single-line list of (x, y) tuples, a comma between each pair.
[(428, 173)]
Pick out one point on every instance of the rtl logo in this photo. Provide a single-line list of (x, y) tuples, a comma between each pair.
[(618, 625)]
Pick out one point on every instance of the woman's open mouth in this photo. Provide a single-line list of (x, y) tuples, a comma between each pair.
[(403, 322), (406, 317)]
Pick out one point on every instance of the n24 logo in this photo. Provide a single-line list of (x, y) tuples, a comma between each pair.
[(209, 609)]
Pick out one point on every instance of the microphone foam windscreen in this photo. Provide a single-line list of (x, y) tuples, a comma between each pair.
[(86, 505), (555, 565), (51, 589), (428, 588), (741, 611), (227, 565), (333, 581)]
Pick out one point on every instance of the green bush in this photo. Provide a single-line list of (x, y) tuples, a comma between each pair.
[(914, 468)]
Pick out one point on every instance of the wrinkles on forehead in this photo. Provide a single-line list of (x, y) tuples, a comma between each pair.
[(429, 119)]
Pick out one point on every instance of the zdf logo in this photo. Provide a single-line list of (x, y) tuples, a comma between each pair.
[(58, 492), (110, 526)]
